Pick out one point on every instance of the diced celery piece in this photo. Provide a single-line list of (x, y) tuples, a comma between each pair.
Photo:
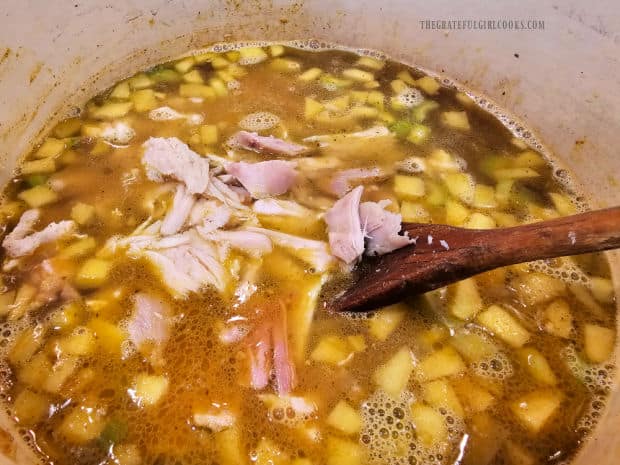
[(466, 301), (68, 127), (370, 63), (533, 410), (82, 424), (461, 186), (358, 75), (598, 342), (310, 74), (456, 212), (536, 288), (219, 87), (480, 221), (197, 90), (36, 179), (484, 197), (285, 65), (82, 213), (109, 336), (185, 64), (440, 394), (343, 452), (30, 407), (414, 212), (149, 389), (209, 134), (345, 418), (475, 399), (164, 75), (140, 81), (473, 347), (421, 111), (252, 55), (393, 376), (41, 166), (430, 426), (563, 204), (38, 196), (557, 319), (537, 365), (602, 289), (408, 187), (401, 128), (456, 120), (428, 85), (50, 148), (276, 50), (121, 91), (419, 133), (93, 273), (515, 173), (111, 110), (503, 325), (441, 363), (386, 320)]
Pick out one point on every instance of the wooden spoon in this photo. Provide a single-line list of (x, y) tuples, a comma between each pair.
[(445, 254)]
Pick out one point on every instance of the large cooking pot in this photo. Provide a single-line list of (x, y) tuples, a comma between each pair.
[(562, 79)]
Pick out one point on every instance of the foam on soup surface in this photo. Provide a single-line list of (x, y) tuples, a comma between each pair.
[(167, 254)]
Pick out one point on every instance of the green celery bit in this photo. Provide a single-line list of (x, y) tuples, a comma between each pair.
[(163, 74), (401, 128), (36, 180), (420, 111), (114, 432)]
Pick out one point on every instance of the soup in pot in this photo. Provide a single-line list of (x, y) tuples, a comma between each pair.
[(169, 254)]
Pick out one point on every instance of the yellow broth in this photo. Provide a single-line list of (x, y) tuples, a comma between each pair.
[(510, 367)]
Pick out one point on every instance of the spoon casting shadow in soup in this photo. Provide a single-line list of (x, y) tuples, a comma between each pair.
[(445, 254)]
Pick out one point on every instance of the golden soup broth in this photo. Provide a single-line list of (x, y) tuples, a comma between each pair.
[(510, 367)]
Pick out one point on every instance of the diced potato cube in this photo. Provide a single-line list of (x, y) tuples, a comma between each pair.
[(357, 342), (475, 399), (82, 424), (408, 186), (93, 273), (185, 64), (414, 212), (38, 196), (480, 221), (602, 289), (229, 446), (252, 55), (517, 454), (461, 186), (332, 350), (343, 452), (50, 148), (121, 91), (359, 96), (536, 288), (430, 425), (66, 317), (598, 342), (433, 335), (310, 74), (345, 418), (583, 295), (534, 409), (439, 364), (456, 212), (484, 197), (386, 320), (393, 376), (285, 65), (79, 248), (421, 111), (23, 298), (30, 407), (503, 325), (563, 204), (62, 370), (503, 190), (312, 108), (398, 86), (428, 85), (537, 365), (111, 110), (11, 211), (140, 81), (406, 77), (363, 111), (418, 134), (276, 50), (35, 372), (473, 347), (82, 213), (149, 389), (514, 173), (193, 77), (209, 134), (370, 63), (126, 454), (219, 87), (505, 220), (41, 166), (197, 90), (466, 301), (219, 62), (269, 453), (144, 100), (109, 336), (557, 319), (440, 394), (529, 159), (455, 119), (358, 75), (26, 345), (80, 342)]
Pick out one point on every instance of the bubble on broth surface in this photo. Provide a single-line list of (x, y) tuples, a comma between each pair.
[(259, 121), (564, 270), (497, 366)]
